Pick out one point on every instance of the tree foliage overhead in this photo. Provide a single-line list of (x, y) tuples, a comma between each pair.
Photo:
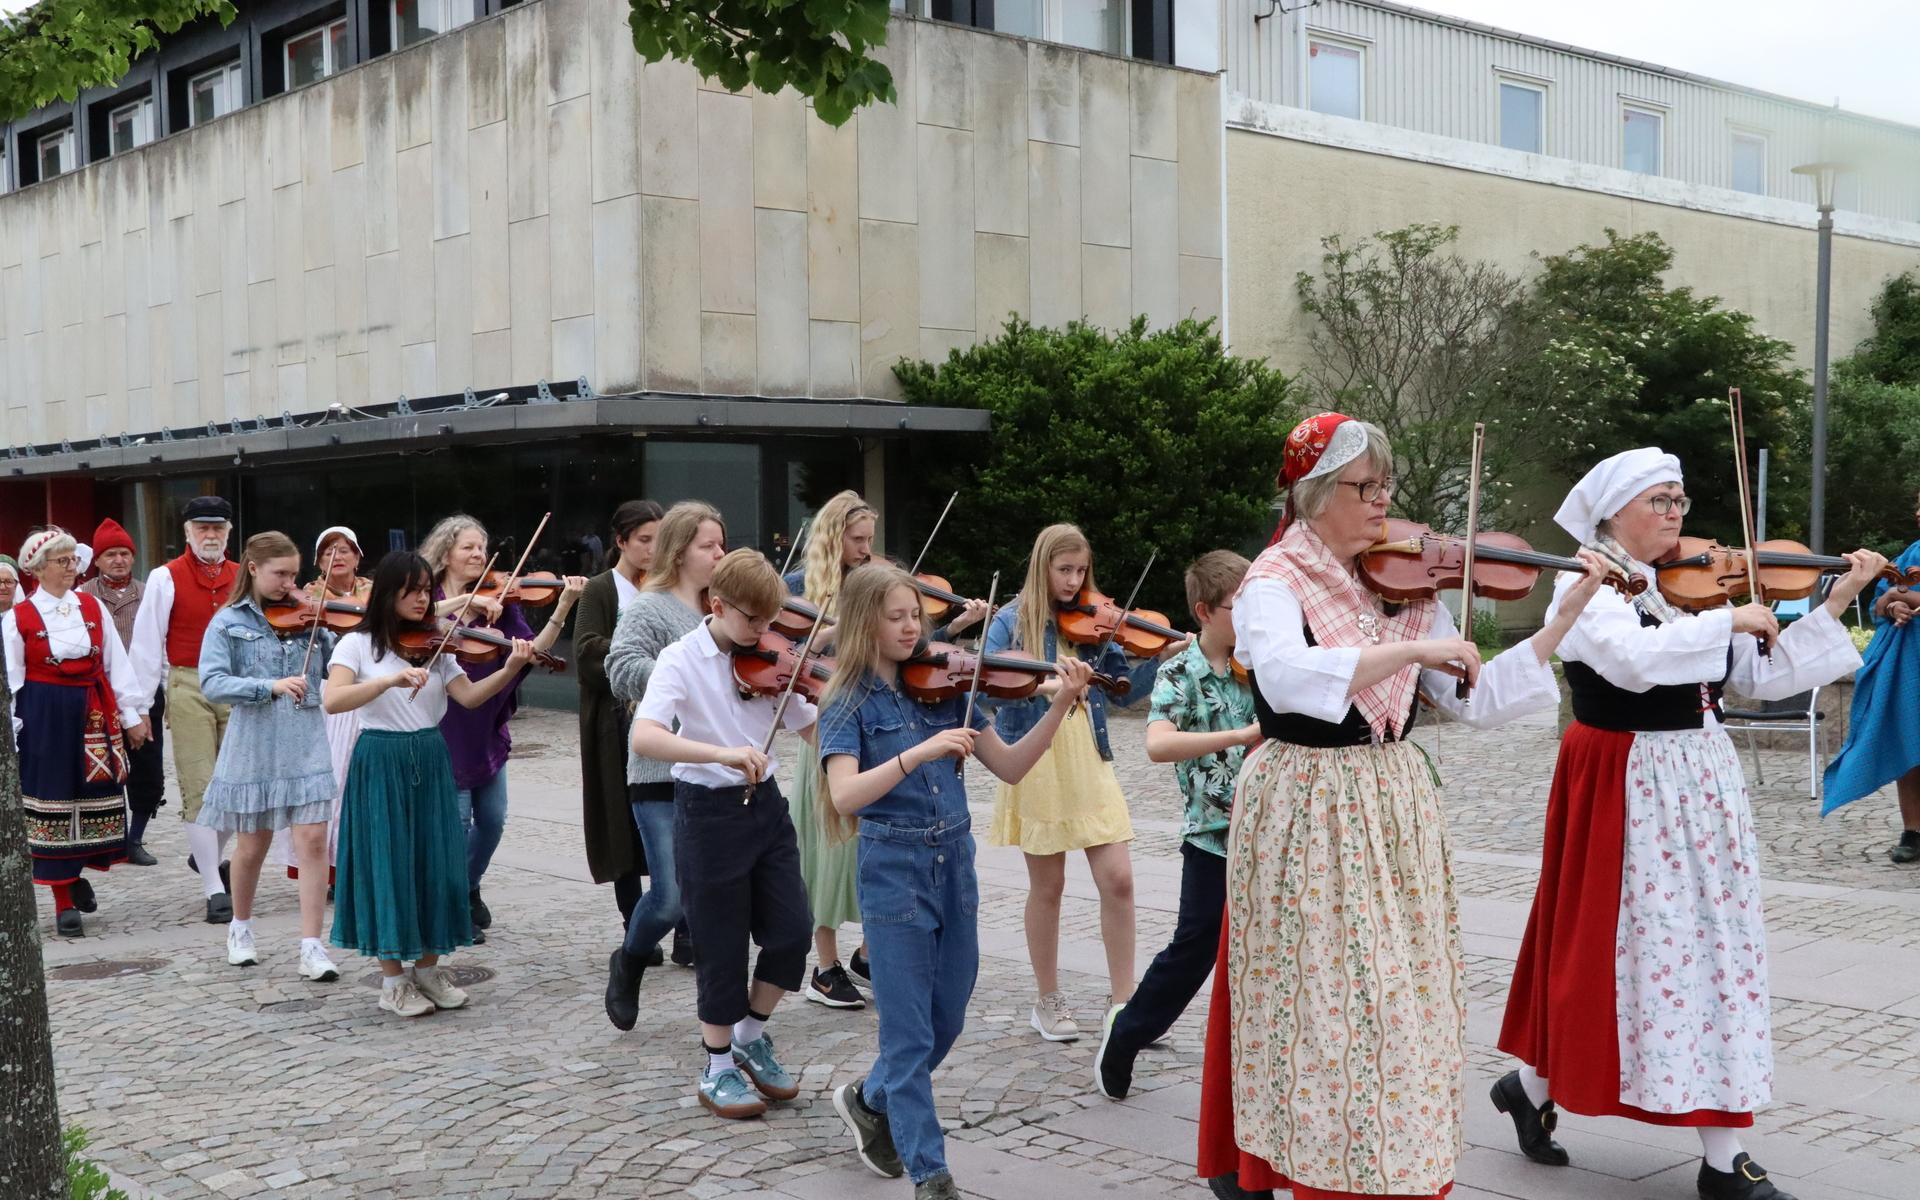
[(1873, 428), (817, 47), (1147, 441), (1632, 362), (1423, 344), (52, 50)]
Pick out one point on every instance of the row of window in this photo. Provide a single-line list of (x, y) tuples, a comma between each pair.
[(1336, 85), (1090, 24), (305, 57)]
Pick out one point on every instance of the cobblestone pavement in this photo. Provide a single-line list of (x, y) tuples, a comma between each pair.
[(198, 1079)]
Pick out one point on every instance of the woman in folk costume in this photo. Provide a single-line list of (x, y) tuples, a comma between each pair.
[(72, 686), (1335, 1043), (1646, 928)]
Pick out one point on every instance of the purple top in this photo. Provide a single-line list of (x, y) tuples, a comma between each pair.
[(478, 739)]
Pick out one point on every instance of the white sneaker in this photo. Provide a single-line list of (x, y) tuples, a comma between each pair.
[(404, 999), (316, 966), (1053, 1020), (436, 987), (240, 951)]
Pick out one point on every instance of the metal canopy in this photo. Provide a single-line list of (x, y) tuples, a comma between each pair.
[(522, 415)]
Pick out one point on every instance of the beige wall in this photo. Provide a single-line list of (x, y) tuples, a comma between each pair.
[(523, 199), (1283, 195)]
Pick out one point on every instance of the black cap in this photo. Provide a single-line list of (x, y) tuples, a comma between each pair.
[(208, 508)]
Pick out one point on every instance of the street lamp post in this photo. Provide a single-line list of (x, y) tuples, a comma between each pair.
[(1823, 175)]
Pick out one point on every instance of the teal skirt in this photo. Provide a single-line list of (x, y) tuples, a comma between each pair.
[(401, 885), (830, 869)]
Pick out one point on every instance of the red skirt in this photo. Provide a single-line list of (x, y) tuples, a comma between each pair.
[(1563, 985), (1219, 1153)]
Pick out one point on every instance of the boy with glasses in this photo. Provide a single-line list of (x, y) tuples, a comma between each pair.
[(736, 857)]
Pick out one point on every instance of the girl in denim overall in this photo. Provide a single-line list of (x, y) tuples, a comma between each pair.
[(895, 763)]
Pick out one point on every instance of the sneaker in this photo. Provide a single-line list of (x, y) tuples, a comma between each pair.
[(940, 1187), (1112, 1065), (482, 915), (240, 951), (433, 983), (872, 1139), (756, 1059), (1907, 849), (729, 1095), (219, 908), (137, 855), (1053, 1020), (860, 967), (316, 966), (624, 972), (682, 955), (832, 988), (404, 999)]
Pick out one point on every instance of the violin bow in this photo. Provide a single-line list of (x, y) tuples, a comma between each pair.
[(1736, 411), (794, 546), (452, 626), (517, 567), (319, 609), (1461, 688), (979, 660), (786, 693), (921, 557)]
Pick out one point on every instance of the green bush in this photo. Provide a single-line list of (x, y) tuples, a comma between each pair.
[(1145, 440), (85, 1180)]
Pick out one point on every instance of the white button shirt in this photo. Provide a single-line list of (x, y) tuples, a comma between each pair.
[(693, 683), (67, 637)]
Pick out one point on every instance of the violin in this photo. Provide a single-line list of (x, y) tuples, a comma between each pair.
[(1702, 574), (1091, 619), (937, 597), (764, 668), (295, 615), (796, 618), (470, 644), (1412, 562), (939, 671), (529, 591)]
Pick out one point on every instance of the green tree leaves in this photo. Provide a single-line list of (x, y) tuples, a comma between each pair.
[(817, 47), (1144, 440), (52, 50)]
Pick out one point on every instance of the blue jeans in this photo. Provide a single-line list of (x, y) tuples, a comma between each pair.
[(483, 815), (659, 910), (919, 907)]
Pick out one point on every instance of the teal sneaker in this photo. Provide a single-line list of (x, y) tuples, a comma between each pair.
[(729, 1095), (756, 1059)]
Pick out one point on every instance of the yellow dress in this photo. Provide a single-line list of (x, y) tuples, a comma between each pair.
[(1069, 801)]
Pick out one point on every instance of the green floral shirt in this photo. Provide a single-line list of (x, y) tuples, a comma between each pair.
[(1197, 699)]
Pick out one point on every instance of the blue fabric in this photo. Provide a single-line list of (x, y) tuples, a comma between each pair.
[(659, 910), (401, 887), (483, 816), (1013, 718), (1883, 738), (274, 767), (875, 724), (920, 905)]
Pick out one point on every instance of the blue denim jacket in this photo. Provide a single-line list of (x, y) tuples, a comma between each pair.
[(876, 724), (1013, 718), (241, 657), (271, 746)]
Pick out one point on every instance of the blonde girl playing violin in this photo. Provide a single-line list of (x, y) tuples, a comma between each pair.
[(274, 772), (1071, 799), (402, 890), (894, 762)]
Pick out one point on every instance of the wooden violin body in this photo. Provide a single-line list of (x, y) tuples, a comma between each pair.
[(765, 668), (1092, 618), (940, 671), (296, 615), (796, 618), (1412, 562), (470, 644), (937, 597), (1701, 574), (531, 591)]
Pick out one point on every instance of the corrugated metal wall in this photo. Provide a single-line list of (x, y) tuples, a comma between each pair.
[(1436, 77)]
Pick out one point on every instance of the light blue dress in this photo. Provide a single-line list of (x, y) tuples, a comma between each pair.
[(1883, 733), (274, 768)]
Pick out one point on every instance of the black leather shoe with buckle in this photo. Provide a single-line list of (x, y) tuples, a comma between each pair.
[(1532, 1127), (1747, 1181)]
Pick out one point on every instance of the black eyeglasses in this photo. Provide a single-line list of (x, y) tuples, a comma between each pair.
[(1662, 505), (1370, 489)]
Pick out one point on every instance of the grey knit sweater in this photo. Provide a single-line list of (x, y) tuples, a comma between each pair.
[(647, 626)]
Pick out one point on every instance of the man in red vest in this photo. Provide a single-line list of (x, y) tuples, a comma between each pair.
[(181, 599)]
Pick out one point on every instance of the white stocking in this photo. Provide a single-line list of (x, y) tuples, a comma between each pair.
[(1719, 1146), (207, 847)]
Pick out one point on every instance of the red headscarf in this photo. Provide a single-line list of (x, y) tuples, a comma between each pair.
[(1305, 445)]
